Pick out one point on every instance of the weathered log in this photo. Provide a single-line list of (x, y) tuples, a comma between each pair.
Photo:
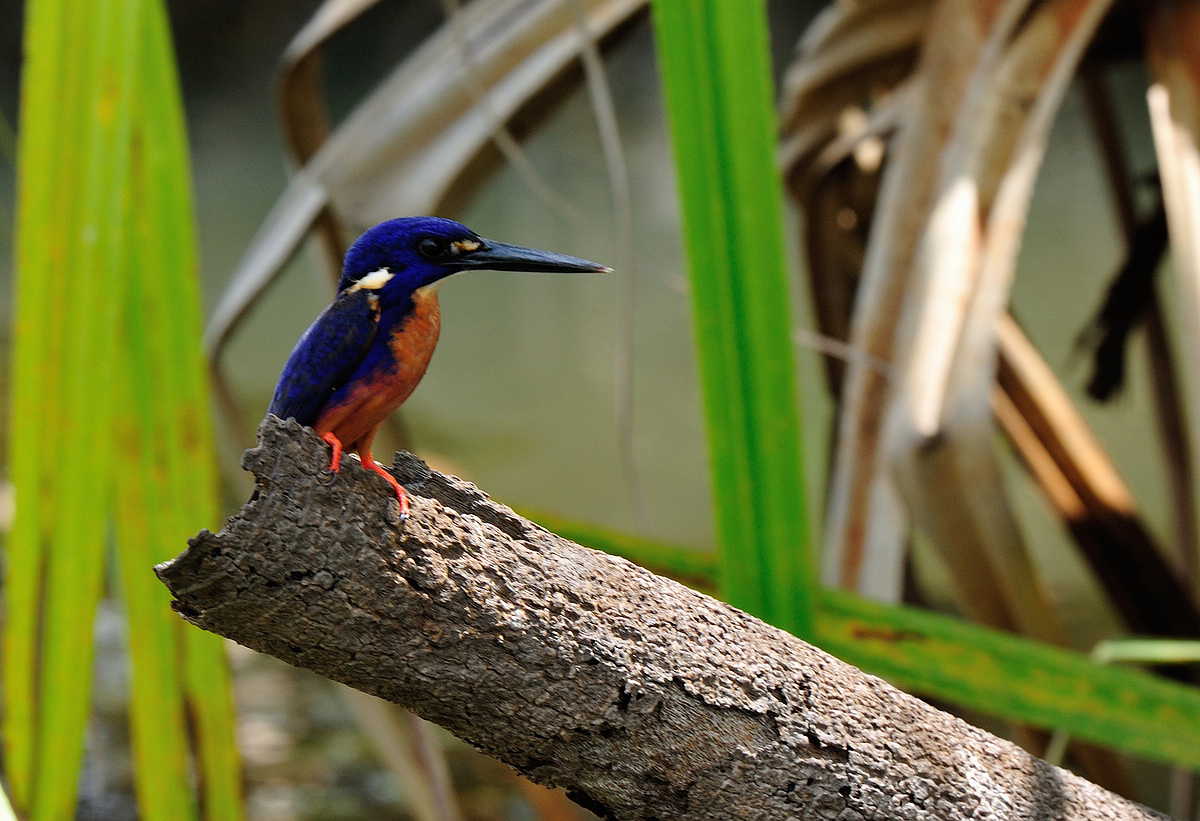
[(643, 698)]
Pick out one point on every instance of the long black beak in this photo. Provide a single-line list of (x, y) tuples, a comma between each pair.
[(500, 256)]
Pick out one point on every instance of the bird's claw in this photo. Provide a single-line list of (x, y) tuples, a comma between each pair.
[(402, 499), (335, 460)]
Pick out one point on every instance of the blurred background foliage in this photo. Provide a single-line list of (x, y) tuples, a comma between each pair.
[(976, 208)]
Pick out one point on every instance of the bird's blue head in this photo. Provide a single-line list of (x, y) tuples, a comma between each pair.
[(401, 255)]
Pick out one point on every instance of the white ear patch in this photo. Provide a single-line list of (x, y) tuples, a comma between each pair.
[(373, 281)]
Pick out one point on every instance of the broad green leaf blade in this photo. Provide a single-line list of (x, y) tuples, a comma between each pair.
[(36, 373), (176, 427), (72, 162), (713, 55), (1014, 678), (146, 505), (107, 353), (210, 698)]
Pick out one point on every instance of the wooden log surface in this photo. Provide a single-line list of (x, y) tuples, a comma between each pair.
[(643, 698)]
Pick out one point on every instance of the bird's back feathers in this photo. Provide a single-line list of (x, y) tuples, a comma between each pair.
[(326, 356)]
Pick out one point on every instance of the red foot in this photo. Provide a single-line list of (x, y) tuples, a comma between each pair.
[(335, 461), (401, 496)]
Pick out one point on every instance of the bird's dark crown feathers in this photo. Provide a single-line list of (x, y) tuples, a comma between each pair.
[(417, 251)]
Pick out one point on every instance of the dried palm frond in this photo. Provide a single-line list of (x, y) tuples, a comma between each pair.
[(1174, 100), (940, 425), (866, 525), (982, 142), (424, 139)]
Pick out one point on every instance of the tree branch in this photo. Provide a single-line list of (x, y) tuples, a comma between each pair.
[(643, 698)]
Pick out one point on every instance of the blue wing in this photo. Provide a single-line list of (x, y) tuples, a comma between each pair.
[(325, 357)]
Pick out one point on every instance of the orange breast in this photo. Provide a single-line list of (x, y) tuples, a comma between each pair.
[(356, 419)]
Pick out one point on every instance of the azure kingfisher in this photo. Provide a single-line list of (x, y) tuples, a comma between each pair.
[(366, 352)]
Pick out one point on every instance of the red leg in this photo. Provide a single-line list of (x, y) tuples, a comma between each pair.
[(370, 464), (335, 461)]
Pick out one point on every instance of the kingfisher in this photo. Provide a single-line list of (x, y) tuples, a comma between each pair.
[(366, 352)]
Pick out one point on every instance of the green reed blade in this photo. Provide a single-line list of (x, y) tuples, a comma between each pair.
[(109, 406), (1013, 677), (72, 160), (713, 55), (177, 429)]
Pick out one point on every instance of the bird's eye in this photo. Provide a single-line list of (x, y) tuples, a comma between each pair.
[(430, 248)]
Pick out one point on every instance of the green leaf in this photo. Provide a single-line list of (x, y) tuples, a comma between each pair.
[(714, 59), (1014, 678), (73, 157), (110, 412), (173, 373)]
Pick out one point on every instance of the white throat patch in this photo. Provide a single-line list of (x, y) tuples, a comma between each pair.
[(373, 281)]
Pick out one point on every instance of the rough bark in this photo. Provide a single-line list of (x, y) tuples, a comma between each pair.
[(643, 698)]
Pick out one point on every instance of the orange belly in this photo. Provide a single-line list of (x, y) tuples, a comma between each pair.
[(356, 418)]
